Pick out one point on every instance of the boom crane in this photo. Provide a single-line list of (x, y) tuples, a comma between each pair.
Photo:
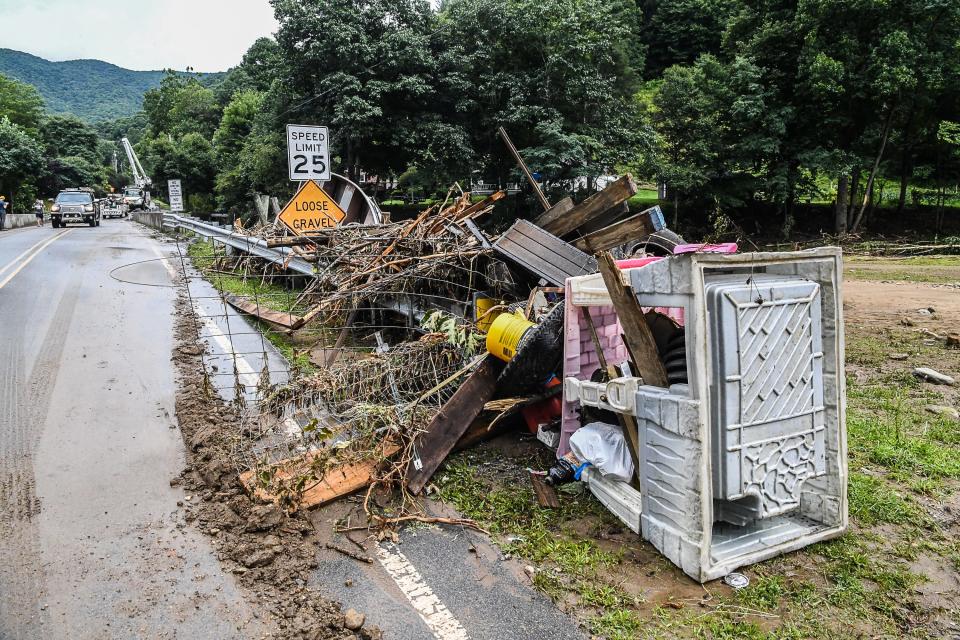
[(138, 197), (139, 175)]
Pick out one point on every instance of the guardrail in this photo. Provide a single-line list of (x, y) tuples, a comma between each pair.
[(254, 246)]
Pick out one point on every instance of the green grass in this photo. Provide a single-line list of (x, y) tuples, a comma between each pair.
[(535, 532), (895, 275)]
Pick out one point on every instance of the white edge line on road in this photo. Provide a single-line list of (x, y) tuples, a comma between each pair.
[(43, 245), (248, 377), (431, 609)]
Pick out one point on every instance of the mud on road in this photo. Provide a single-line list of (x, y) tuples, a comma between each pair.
[(270, 553)]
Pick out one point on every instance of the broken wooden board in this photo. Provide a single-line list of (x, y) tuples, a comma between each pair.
[(633, 228), (279, 318), (636, 332), (480, 206), (544, 254), (614, 195), (453, 420), (335, 483), (546, 495)]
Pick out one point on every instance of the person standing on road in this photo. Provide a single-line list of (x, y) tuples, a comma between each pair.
[(38, 210), (3, 212)]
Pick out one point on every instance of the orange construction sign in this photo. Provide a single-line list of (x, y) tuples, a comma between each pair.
[(311, 210)]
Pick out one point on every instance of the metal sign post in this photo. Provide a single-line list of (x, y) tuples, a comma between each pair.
[(308, 152)]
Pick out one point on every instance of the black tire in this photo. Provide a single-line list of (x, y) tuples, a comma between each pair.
[(98, 222), (92, 222), (662, 243)]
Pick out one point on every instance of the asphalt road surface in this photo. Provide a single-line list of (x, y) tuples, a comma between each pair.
[(92, 544)]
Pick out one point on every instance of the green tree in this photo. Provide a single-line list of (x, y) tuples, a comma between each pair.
[(69, 136), (229, 144), (20, 103), (21, 159), (364, 68), (680, 31), (559, 75)]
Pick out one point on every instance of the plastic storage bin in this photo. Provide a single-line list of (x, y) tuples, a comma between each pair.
[(748, 460)]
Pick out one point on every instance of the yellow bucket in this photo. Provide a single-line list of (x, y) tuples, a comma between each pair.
[(482, 315), (506, 333)]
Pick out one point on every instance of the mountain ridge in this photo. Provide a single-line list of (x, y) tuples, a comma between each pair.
[(91, 89)]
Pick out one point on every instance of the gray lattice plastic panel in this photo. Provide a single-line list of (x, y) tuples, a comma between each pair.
[(768, 422)]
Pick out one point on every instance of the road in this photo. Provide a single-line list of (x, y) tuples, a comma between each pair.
[(91, 543)]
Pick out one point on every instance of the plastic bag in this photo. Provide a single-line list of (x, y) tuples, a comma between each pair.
[(604, 446)]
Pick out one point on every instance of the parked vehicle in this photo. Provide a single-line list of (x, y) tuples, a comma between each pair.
[(75, 205), (113, 206), (136, 198)]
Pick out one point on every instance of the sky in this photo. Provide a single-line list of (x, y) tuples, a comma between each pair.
[(208, 35)]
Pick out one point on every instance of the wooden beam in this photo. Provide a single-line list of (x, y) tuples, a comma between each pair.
[(453, 420), (523, 166), (555, 212), (480, 206), (281, 319), (597, 204), (636, 331), (633, 228)]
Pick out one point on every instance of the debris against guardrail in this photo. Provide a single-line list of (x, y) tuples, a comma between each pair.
[(413, 338)]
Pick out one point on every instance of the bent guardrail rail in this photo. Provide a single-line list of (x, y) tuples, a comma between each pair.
[(282, 256)]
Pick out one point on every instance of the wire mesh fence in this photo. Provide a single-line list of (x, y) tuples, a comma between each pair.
[(363, 368)]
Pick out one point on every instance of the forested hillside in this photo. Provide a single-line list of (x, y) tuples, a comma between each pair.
[(90, 89)]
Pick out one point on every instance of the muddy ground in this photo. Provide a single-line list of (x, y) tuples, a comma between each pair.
[(270, 552)]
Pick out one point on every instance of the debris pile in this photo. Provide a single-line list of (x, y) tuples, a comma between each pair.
[(431, 334)]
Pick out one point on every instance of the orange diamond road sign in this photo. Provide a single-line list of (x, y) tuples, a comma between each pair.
[(311, 210)]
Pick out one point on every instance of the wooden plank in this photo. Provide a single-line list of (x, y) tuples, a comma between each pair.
[(523, 166), (281, 319), (480, 206), (615, 194), (543, 254), (546, 495), (633, 228), (636, 332), (605, 219), (335, 483), (437, 441), (554, 213)]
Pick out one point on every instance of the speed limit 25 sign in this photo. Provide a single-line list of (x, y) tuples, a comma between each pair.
[(308, 152)]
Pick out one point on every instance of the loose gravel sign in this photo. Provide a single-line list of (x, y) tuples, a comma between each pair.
[(308, 152), (311, 210)]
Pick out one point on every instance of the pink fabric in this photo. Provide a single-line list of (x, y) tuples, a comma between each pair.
[(726, 247)]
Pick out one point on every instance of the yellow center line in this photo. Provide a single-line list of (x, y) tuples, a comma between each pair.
[(14, 262), (36, 249)]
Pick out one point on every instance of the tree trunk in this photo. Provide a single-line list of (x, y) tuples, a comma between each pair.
[(840, 206), (854, 190), (868, 191), (905, 172)]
